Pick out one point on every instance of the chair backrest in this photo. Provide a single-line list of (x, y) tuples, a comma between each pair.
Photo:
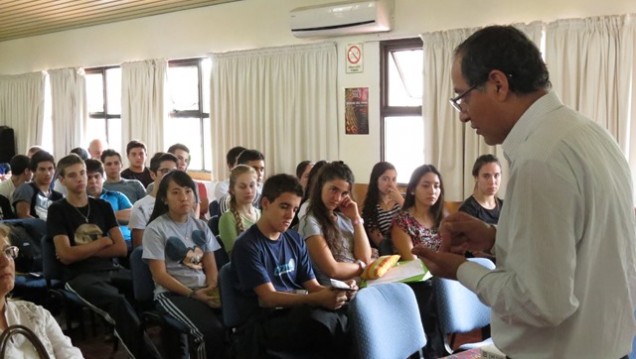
[(237, 307), (143, 285), (213, 223), (52, 268), (386, 322), (459, 309), (220, 255), (215, 208)]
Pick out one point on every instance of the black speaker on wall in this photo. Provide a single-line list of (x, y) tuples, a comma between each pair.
[(7, 144)]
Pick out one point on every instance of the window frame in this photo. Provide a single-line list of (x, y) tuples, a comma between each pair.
[(386, 47), (200, 113), (103, 114)]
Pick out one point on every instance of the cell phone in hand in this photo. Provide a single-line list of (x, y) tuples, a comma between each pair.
[(340, 285)]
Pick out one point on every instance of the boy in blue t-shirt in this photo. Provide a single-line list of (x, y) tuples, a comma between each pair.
[(273, 267)]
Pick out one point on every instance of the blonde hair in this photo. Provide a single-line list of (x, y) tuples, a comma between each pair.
[(238, 171)]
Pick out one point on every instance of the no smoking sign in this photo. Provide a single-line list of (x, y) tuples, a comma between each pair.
[(354, 58)]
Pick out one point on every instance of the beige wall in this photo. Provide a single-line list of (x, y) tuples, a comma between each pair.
[(251, 24)]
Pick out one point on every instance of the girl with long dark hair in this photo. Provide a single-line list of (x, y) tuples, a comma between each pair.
[(332, 227), (381, 205)]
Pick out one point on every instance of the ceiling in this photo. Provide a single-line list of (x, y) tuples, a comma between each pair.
[(24, 18)]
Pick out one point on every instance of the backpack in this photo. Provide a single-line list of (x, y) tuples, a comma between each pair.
[(27, 239)]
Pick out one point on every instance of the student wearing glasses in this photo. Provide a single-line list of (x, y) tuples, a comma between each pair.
[(27, 314)]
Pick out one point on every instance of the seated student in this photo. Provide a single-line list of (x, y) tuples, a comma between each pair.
[(87, 241), (120, 203), (20, 173), (6, 212), (333, 228), (34, 317), (32, 200), (242, 213), (302, 173), (231, 156), (56, 183), (131, 188), (313, 174), (484, 203), (96, 148), (182, 153), (160, 164), (136, 153), (418, 223), (421, 214), (256, 160), (381, 205), (179, 250), (33, 150), (273, 267)]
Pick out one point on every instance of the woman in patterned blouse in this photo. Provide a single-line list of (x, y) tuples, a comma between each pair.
[(421, 213)]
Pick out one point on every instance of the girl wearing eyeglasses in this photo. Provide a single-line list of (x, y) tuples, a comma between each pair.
[(179, 250), (30, 315)]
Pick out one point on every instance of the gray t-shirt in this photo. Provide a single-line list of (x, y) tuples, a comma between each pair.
[(181, 246), (133, 189), (308, 226), (25, 193)]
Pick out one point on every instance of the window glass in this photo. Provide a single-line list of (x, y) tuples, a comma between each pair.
[(113, 90), (405, 152), (95, 92), (405, 78)]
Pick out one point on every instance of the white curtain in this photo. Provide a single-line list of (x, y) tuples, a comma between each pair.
[(69, 114), (143, 109), (450, 145), (591, 63), (22, 107), (281, 101), (443, 132)]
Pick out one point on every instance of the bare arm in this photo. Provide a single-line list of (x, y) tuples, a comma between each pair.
[(402, 243), (23, 209), (163, 278), (322, 257), (118, 249), (137, 236), (68, 254), (123, 216), (269, 297)]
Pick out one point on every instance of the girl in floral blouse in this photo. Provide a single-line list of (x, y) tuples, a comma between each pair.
[(421, 213)]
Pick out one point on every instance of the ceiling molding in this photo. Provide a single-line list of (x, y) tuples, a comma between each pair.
[(19, 19)]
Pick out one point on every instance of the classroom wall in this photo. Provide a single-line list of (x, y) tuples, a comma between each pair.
[(252, 24)]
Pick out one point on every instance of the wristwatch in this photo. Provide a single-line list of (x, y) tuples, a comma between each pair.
[(358, 221)]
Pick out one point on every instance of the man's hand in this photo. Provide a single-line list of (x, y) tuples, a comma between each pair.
[(352, 293), (461, 232), (330, 298), (439, 263)]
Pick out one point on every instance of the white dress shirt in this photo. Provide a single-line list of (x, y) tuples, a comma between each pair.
[(563, 286), (42, 323)]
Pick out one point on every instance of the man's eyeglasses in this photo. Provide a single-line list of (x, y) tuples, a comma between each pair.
[(11, 252), (456, 101)]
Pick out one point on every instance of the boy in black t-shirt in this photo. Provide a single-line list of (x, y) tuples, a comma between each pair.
[(87, 240)]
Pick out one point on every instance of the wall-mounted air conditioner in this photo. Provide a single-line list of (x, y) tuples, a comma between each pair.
[(344, 18)]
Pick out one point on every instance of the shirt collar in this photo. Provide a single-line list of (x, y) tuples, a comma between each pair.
[(531, 119)]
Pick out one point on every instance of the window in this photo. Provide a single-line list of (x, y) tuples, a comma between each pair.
[(402, 128), (189, 105), (103, 99)]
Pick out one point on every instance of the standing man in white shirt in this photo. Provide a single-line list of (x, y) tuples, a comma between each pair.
[(563, 286)]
